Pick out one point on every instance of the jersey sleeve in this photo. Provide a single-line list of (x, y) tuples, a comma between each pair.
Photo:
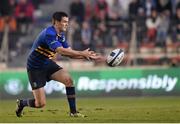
[(63, 40), (52, 42), (65, 44)]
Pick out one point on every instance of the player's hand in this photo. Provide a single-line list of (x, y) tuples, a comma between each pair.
[(87, 54), (97, 57)]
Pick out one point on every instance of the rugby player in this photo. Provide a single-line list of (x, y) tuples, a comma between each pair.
[(41, 68)]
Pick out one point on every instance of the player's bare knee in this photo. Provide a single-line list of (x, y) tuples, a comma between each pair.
[(68, 82), (40, 104)]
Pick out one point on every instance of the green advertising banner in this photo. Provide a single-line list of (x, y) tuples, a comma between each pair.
[(109, 82)]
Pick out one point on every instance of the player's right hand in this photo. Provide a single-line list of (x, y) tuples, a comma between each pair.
[(87, 53)]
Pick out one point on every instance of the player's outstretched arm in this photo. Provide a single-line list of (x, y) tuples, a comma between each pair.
[(75, 54)]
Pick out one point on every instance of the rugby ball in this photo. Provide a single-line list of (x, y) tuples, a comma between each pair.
[(115, 57)]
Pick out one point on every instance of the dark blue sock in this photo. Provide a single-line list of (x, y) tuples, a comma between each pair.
[(70, 92), (28, 102)]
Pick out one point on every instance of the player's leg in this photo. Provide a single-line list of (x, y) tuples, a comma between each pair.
[(39, 97), (39, 101), (64, 77), (37, 80)]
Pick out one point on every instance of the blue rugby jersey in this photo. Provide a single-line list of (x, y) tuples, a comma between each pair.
[(43, 49)]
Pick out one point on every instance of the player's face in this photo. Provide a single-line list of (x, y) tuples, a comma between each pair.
[(63, 24)]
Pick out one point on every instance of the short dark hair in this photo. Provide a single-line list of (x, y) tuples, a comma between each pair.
[(59, 15)]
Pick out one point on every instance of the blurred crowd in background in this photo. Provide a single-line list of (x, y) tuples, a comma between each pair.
[(104, 24)]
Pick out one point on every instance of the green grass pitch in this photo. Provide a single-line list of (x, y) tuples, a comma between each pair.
[(107, 110)]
